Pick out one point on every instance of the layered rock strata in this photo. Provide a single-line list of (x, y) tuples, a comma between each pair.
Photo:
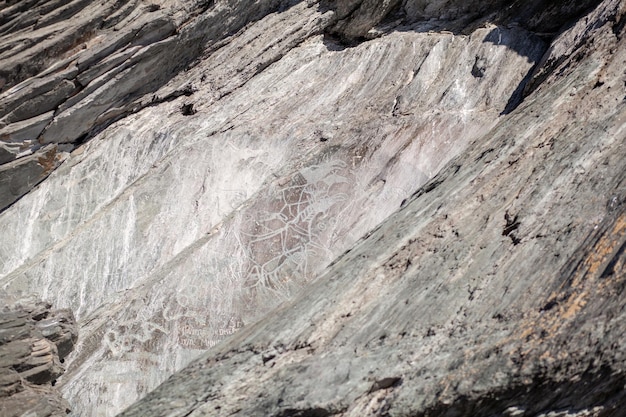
[(70, 69), (34, 342)]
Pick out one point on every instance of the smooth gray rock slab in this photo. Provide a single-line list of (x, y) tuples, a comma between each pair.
[(42, 103), (31, 89), (25, 132)]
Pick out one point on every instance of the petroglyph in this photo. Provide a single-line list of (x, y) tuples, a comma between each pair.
[(192, 337), (293, 225), (131, 336), (269, 248)]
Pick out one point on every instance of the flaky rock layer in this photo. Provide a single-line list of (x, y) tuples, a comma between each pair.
[(34, 341)]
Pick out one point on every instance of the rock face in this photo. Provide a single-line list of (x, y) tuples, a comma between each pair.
[(34, 341), (70, 69), (496, 290), (234, 155)]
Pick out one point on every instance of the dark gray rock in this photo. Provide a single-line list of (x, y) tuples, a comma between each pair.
[(42, 102), (25, 132), (18, 177), (34, 341)]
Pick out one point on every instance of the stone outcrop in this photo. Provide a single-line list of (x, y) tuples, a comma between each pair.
[(496, 289), (70, 69), (205, 162), (34, 342)]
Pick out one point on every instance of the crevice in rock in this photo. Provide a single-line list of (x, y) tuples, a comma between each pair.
[(520, 92), (618, 27), (512, 224), (335, 42), (616, 263), (187, 109)]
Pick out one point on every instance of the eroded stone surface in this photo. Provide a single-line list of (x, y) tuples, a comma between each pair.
[(92, 62), (34, 341), (262, 206), (496, 290), (227, 189), (18, 177)]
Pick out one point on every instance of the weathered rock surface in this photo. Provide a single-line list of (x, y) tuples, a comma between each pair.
[(256, 143), (496, 290), (19, 177), (70, 69), (34, 341), (229, 211)]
